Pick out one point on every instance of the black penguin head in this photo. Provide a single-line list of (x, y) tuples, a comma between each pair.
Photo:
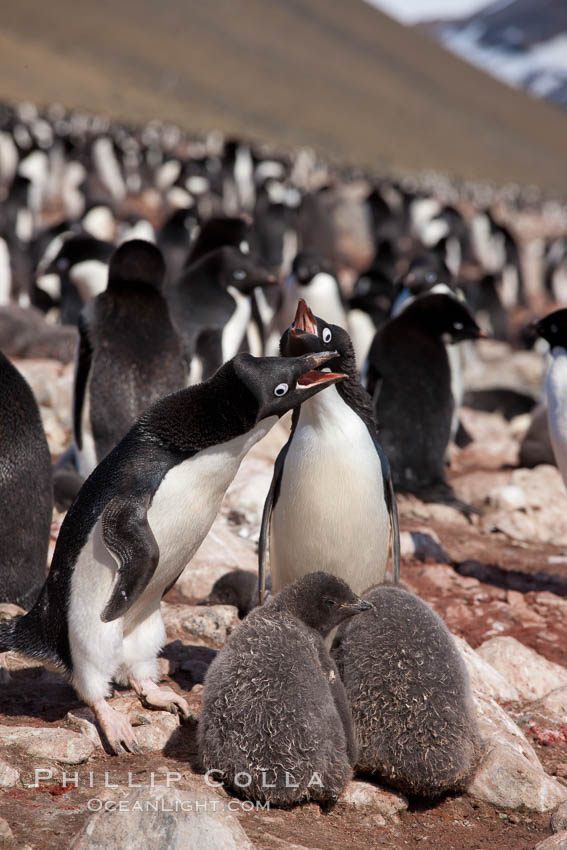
[(321, 601), (306, 266), (281, 383), (444, 316), (136, 262), (218, 231), (425, 272), (78, 249), (242, 271), (238, 588), (553, 329), (309, 333)]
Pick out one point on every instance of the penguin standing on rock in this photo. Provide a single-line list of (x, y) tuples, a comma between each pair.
[(409, 378), (553, 329), (26, 496), (136, 523), (331, 478), (275, 724), (409, 694)]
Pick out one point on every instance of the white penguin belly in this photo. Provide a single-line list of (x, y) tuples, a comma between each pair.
[(323, 299), (180, 515), (331, 513), (556, 392)]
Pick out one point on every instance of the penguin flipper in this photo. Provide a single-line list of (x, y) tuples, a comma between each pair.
[(392, 505), (128, 537), (82, 369), (269, 504)]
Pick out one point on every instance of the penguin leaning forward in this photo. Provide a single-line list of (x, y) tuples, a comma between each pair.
[(331, 504), (139, 519)]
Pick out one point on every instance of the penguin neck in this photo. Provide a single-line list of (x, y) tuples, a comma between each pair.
[(326, 409)]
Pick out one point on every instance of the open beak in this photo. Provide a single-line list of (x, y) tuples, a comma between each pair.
[(309, 379), (304, 321)]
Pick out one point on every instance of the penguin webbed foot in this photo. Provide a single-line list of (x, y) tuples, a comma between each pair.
[(116, 729), (162, 698)]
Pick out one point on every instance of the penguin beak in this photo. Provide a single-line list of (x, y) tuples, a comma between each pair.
[(357, 607), (482, 334), (311, 378), (304, 321)]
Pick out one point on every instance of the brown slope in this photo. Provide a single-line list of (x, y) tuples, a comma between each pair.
[(335, 74)]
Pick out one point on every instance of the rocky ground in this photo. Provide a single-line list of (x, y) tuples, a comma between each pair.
[(500, 583)]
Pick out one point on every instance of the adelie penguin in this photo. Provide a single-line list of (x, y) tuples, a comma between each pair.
[(409, 693), (136, 523), (275, 725), (409, 379), (129, 353), (553, 329), (331, 504), (26, 496), (211, 307)]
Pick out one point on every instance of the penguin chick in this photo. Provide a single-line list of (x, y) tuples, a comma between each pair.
[(331, 504), (553, 329), (139, 519), (238, 588), (25, 490), (129, 353), (274, 724), (410, 380), (409, 694)]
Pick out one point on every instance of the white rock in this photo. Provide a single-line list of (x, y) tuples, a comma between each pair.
[(364, 795), (6, 834), (554, 842), (135, 824), (9, 776), (508, 497), (507, 779), (484, 678), (553, 705), (214, 622), (532, 674), (510, 774), (57, 744), (558, 821)]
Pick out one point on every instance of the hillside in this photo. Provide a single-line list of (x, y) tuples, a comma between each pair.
[(337, 75)]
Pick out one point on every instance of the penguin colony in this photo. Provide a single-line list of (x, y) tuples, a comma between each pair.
[(202, 291)]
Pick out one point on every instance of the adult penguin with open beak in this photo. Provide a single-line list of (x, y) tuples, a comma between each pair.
[(331, 505)]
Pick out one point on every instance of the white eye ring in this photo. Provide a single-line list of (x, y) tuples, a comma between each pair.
[(281, 390), (458, 326), (326, 335)]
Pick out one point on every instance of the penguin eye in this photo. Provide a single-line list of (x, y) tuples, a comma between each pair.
[(239, 274), (553, 329), (281, 390), (430, 277), (244, 247), (330, 603), (326, 335), (458, 326)]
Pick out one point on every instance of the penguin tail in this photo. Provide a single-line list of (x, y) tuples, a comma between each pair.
[(21, 634), (9, 634)]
